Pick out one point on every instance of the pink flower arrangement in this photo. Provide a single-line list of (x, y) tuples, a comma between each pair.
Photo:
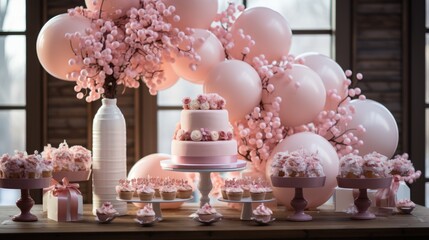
[(127, 50)]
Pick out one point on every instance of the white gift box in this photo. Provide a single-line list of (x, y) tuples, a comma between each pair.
[(343, 198), (52, 207), (404, 191)]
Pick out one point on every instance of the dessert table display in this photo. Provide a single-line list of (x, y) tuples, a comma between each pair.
[(25, 203)]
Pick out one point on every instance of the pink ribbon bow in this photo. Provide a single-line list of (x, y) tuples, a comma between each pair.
[(66, 192), (388, 194)]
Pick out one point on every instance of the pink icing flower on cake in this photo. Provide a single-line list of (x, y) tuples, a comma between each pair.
[(205, 106), (196, 135), (214, 135), (194, 105), (202, 98), (186, 102)]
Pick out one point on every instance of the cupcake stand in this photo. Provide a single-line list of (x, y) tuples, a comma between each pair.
[(246, 210), (362, 202), (156, 204), (25, 203), (298, 202)]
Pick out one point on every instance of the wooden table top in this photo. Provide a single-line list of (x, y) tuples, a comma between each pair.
[(177, 225)]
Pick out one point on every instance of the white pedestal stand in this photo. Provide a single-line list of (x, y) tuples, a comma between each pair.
[(205, 185)]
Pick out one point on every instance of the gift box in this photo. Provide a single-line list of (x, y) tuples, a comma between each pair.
[(344, 198), (64, 202), (388, 197)]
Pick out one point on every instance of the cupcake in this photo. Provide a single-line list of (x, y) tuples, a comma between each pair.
[(401, 165), (125, 190), (145, 192), (246, 190), (375, 165), (62, 158), (234, 193), (146, 214), (257, 192), (32, 166), (351, 166), (405, 206), (206, 212), (3, 160), (269, 192), (14, 167), (262, 213), (168, 192), (184, 190), (47, 168), (81, 157), (314, 166), (106, 212)]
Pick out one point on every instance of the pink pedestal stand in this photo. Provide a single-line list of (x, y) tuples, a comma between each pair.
[(75, 176), (298, 202), (25, 203), (362, 202)]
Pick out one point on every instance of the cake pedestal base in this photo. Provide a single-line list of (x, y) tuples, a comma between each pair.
[(205, 185), (25, 203), (246, 210), (156, 204)]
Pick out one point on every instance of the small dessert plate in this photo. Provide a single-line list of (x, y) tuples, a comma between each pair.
[(146, 223), (263, 222), (216, 218), (405, 210), (107, 220)]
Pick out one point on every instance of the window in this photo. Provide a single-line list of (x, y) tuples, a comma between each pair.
[(427, 106), (311, 23), (12, 81)]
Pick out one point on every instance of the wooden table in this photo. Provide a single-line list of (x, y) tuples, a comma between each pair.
[(326, 224)]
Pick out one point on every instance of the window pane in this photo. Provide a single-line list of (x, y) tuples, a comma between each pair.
[(311, 43), (12, 15), (167, 120), (301, 14), (174, 95), (12, 131), (12, 69)]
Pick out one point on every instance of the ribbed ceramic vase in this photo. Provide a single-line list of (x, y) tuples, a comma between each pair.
[(109, 155)]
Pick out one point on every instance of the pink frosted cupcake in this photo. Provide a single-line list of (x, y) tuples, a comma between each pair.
[(4, 158), (351, 166), (206, 212), (47, 167), (168, 192), (257, 192), (146, 214), (32, 166), (314, 166), (14, 167), (262, 213), (106, 212), (401, 165), (375, 165), (184, 190), (234, 193), (63, 158), (81, 157), (125, 190), (145, 192), (405, 206)]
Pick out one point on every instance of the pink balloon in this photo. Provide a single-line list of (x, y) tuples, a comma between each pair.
[(150, 165), (329, 160), (110, 7), (268, 28), (381, 133), (193, 13), (331, 73), (302, 92), (211, 52), (53, 49), (239, 84), (170, 76)]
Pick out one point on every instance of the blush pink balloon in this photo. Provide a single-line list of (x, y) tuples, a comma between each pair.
[(53, 49), (150, 165), (239, 84), (211, 52), (330, 72), (193, 13), (381, 133), (170, 76), (329, 160), (110, 7), (268, 28), (302, 92)]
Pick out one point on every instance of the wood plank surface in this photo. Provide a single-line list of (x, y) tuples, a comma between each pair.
[(326, 224)]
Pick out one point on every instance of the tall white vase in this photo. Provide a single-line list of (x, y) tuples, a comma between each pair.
[(109, 155)]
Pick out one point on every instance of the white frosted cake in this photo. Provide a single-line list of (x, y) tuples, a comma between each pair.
[(204, 134)]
